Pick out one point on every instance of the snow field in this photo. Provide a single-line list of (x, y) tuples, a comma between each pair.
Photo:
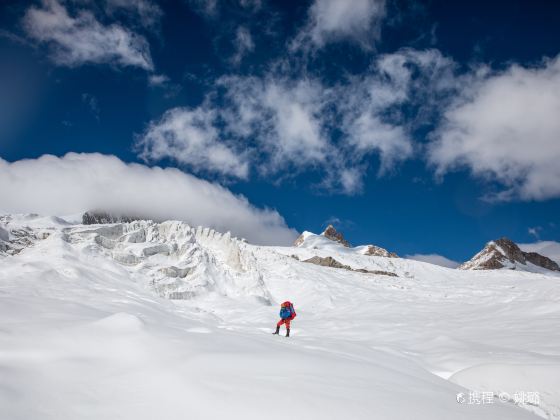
[(88, 332)]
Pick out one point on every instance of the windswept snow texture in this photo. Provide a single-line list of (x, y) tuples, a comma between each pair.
[(141, 321)]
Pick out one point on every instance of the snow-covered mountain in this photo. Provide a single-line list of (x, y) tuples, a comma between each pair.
[(504, 253), (147, 320), (332, 239)]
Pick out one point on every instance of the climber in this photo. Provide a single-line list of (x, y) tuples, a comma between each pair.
[(287, 313)]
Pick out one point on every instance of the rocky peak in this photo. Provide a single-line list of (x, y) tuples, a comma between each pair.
[(377, 251), (331, 262), (504, 253), (332, 234)]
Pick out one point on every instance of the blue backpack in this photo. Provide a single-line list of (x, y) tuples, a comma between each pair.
[(285, 312)]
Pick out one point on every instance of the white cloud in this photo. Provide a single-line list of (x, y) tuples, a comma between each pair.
[(81, 39), (434, 259), (505, 126), (243, 44), (191, 138), (293, 122), (282, 119), (366, 132), (371, 118), (76, 182), (335, 20), (284, 126)]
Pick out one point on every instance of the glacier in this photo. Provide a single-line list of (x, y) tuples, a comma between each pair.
[(146, 320)]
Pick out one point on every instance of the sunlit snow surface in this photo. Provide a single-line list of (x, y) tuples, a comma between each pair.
[(88, 330)]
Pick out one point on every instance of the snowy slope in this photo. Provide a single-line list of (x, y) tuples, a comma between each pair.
[(87, 330)]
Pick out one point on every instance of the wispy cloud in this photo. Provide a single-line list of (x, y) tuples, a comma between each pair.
[(283, 126), (158, 80), (82, 39), (535, 231), (76, 182), (243, 44), (211, 8), (147, 13), (92, 103)]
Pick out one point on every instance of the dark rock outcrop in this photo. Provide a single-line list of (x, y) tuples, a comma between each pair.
[(541, 261), (101, 217), (331, 262)]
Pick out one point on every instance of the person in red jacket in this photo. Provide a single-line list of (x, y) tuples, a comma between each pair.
[(287, 313)]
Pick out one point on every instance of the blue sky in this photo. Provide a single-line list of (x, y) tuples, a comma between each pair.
[(423, 127)]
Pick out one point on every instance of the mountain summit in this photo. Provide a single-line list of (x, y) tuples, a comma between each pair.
[(504, 253), (331, 233)]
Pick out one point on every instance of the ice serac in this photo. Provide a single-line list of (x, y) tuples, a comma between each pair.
[(181, 262), (15, 239), (504, 253), (331, 233)]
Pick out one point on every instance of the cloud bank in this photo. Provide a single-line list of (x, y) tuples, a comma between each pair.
[(76, 182)]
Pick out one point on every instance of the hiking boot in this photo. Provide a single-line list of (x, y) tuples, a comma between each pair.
[(288, 332), (277, 331)]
